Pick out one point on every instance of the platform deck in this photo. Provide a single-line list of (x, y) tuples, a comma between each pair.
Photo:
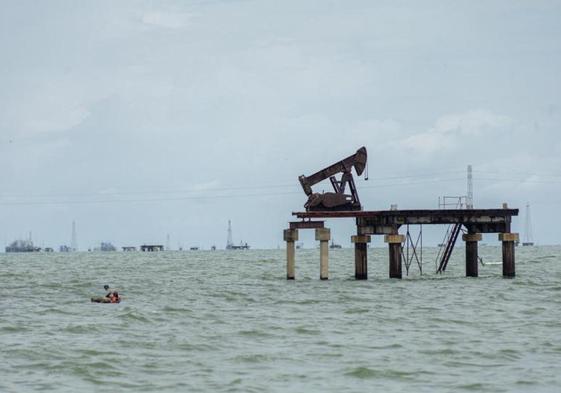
[(388, 221)]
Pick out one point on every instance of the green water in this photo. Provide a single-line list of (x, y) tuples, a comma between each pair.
[(229, 321)]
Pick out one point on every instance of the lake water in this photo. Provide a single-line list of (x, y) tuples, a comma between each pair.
[(220, 321)]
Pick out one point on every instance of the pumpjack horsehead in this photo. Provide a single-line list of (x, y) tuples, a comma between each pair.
[(337, 200)]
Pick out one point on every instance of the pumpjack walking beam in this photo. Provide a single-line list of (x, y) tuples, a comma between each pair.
[(337, 200)]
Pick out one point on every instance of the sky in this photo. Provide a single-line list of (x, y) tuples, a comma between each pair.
[(139, 119)]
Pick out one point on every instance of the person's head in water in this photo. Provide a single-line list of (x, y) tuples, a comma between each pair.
[(106, 287), (115, 297)]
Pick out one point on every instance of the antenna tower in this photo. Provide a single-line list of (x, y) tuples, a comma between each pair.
[(167, 242), (469, 199), (528, 236), (74, 243), (229, 242)]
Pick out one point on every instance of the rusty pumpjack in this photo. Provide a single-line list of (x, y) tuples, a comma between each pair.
[(338, 200)]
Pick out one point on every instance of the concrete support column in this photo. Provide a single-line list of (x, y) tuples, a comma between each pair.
[(290, 236), (361, 259), (323, 235), (509, 240), (394, 242), (472, 257)]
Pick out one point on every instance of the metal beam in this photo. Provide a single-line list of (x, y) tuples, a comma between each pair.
[(306, 224), (379, 222)]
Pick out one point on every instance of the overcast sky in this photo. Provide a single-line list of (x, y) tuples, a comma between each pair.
[(138, 119)]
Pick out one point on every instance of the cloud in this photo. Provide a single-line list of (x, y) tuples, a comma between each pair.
[(42, 112), (470, 123), (59, 119), (449, 131)]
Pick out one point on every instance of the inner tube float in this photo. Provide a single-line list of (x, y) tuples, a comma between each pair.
[(103, 299)]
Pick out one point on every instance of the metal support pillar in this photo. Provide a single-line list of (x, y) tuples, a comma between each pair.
[(323, 235), (472, 257), (290, 236), (361, 258), (509, 240), (394, 242)]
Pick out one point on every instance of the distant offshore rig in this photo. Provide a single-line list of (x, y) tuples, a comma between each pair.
[(26, 245), (230, 244)]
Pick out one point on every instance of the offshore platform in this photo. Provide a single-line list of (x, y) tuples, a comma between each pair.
[(230, 243), (22, 246), (387, 223)]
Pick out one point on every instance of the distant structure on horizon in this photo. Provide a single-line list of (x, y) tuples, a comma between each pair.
[(528, 235), (151, 247), (22, 246), (334, 245), (230, 244), (106, 246), (74, 243)]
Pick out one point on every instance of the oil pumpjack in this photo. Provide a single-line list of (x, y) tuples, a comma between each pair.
[(337, 200)]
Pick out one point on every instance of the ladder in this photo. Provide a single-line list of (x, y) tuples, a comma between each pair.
[(448, 247)]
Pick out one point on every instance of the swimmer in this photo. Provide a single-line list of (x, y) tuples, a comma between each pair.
[(115, 298)]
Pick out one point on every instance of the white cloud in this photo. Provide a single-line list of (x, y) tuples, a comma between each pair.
[(55, 120), (42, 116), (449, 131), (470, 123), (427, 143)]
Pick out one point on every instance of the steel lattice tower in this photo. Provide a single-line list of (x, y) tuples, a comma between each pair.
[(469, 199), (528, 235), (74, 243), (229, 242)]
